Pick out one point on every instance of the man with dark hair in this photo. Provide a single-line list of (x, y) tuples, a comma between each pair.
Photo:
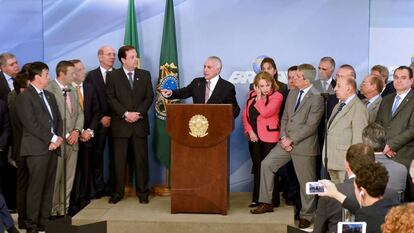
[(130, 95), (396, 115), (374, 136), (382, 71), (299, 143), (210, 89), (371, 88), (97, 77), (291, 74), (329, 211), (39, 114), (345, 125), (21, 82), (69, 104)]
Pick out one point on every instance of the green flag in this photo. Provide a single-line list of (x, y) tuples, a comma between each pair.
[(168, 79), (131, 32)]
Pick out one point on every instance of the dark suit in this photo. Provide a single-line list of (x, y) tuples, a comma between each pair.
[(4, 87), (81, 190), (329, 210), (95, 78), (389, 89), (374, 215), (5, 133), (399, 130), (223, 93), (123, 98), (41, 163), (22, 174)]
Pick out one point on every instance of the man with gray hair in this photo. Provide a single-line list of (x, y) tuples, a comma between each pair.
[(374, 135), (345, 124), (371, 88), (8, 70), (299, 143), (210, 89), (325, 82)]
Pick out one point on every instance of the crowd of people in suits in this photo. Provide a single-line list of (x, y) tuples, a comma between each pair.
[(318, 125), (321, 129)]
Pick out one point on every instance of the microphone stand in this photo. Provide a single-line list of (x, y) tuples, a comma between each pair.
[(325, 136), (65, 93)]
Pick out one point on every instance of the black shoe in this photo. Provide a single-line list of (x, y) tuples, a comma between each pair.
[(12, 229), (115, 199), (99, 194), (41, 228), (55, 217), (303, 223), (253, 205), (32, 231), (143, 200)]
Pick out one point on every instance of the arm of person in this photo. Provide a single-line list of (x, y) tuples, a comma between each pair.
[(272, 107), (5, 128), (359, 122), (395, 143)]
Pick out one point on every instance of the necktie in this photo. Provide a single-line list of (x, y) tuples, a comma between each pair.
[(69, 102), (298, 101), (325, 86), (207, 93), (396, 103), (45, 104), (131, 81), (80, 96), (104, 75), (341, 106)]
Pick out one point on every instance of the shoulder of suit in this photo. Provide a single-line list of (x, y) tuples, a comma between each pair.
[(223, 81)]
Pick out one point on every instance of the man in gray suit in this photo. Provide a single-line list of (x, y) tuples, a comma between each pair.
[(39, 114), (65, 72), (329, 210), (299, 143), (348, 119), (374, 135), (396, 115), (371, 88)]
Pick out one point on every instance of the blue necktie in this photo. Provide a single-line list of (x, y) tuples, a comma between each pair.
[(396, 103), (341, 106), (298, 101)]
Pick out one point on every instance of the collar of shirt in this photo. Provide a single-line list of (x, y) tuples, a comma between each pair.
[(328, 82), (37, 89), (60, 85), (403, 95), (76, 85), (9, 80), (213, 83), (103, 70), (349, 99), (306, 90), (352, 176), (127, 71), (372, 100)]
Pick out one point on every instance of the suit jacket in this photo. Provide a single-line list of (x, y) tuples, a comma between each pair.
[(283, 89), (90, 110), (5, 132), (396, 171), (95, 78), (16, 126), (318, 86), (373, 110), (4, 87), (329, 210), (37, 122), (374, 215), (90, 107), (344, 131), (389, 89), (75, 119), (302, 126), (399, 129), (122, 98), (223, 93), (268, 118)]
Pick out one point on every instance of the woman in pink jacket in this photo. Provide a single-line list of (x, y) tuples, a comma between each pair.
[(261, 123)]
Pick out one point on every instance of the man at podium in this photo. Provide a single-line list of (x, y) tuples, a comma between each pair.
[(210, 89)]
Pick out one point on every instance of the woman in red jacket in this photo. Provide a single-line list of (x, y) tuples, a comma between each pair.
[(261, 123)]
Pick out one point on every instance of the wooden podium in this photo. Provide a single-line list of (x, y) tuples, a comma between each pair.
[(199, 157)]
